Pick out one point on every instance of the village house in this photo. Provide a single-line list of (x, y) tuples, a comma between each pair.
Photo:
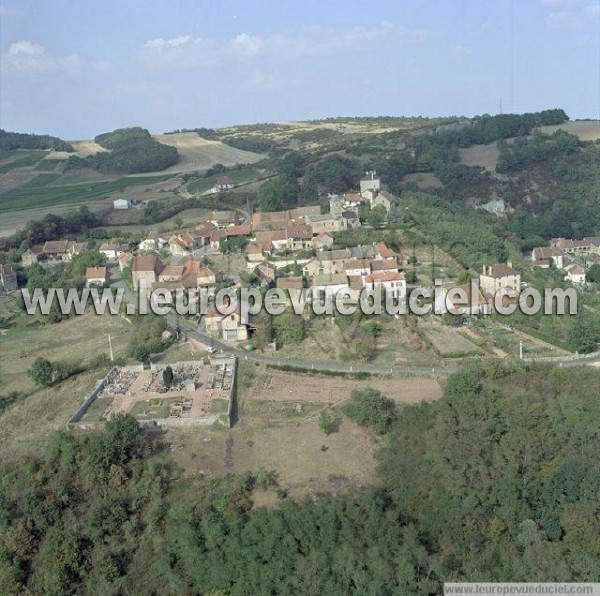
[(183, 243), (224, 219), (351, 201), (31, 255), (299, 237), (112, 251), (499, 277), (384, 199), (578, 247), (322, 241), (358, 267), (227, 327), (125, 260), (8, 279), (62, 250), (152, 243), (96, 276), (328, 262), (370, 182), (171, 273), (290, 283), (145, 270), (575, 274), (542, 256), (203, 232), (466, 300), (392, 282), (378, 265), (257, 251), (330, 223), (266, 272), (333, 283)]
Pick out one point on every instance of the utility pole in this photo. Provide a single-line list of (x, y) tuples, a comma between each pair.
[(112, 358)]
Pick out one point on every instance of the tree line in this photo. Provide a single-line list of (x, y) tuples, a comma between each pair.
[(9, 141)]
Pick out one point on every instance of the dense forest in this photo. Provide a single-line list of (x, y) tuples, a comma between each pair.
[(16, 140), (497, 481), (131, 151)]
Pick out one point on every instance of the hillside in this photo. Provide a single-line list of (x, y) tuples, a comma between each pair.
[(496, 481), (199, 154)]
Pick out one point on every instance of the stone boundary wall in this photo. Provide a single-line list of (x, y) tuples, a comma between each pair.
[(76, 417)]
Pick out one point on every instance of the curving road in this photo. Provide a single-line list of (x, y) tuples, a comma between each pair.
[(195, 332)]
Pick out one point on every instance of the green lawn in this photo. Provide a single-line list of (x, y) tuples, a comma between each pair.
[(28, 197)]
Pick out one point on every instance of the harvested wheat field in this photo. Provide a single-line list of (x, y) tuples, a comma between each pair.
[(586, 130), (196, 153)]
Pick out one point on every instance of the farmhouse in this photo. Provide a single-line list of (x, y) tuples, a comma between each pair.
[(8, 279), (95, 276)]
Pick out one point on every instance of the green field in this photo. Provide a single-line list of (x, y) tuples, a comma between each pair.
[(40, 180), (26, 198), (48, 165), (26, 159), (244, 176)]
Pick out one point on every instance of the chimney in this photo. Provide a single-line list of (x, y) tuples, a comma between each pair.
[(484, 270), (509, 263)]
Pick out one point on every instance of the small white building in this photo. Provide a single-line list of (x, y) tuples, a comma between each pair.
[(122, 204), (575, 274)]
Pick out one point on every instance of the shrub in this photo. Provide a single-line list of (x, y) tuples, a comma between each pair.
[(368, 407)]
